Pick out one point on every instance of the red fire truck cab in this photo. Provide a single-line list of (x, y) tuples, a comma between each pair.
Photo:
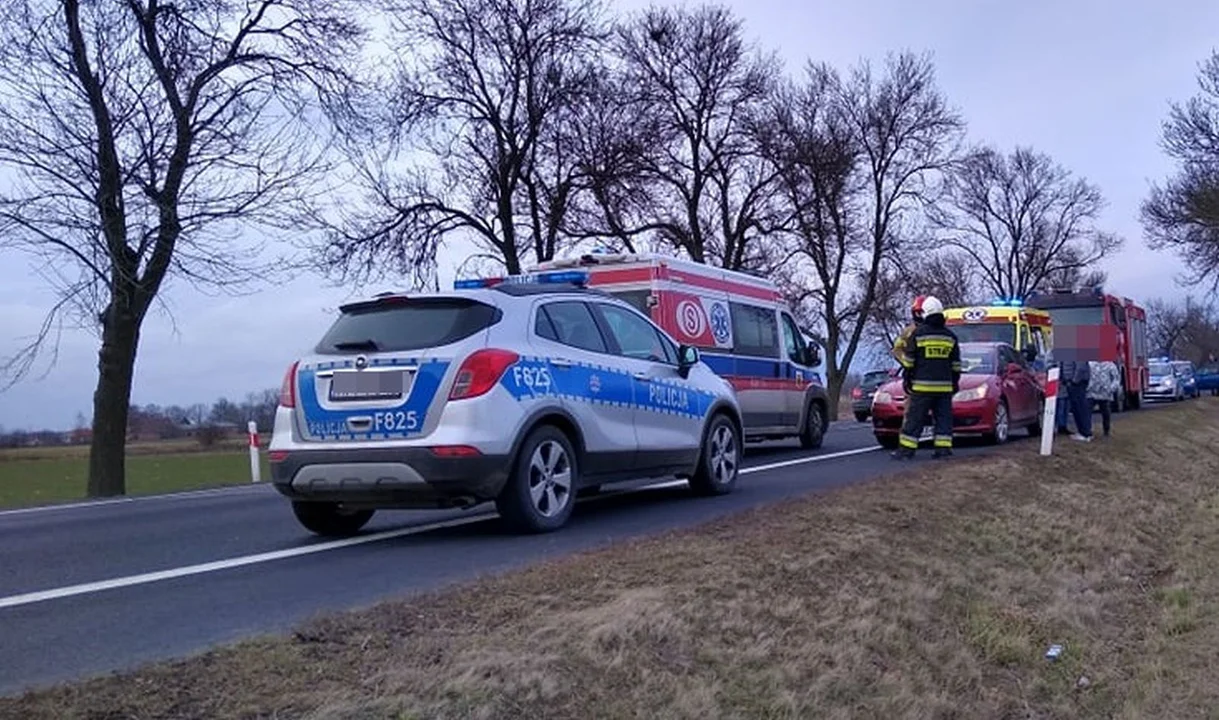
[(1094, 325)]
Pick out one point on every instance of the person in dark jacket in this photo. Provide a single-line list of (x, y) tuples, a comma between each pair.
[(1073, 379), (933, 363)]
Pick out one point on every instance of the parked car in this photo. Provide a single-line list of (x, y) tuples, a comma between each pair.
[(1188, 379), (1207, 378), (1165, 383), (861, 396), (522, 394), (999, 391)]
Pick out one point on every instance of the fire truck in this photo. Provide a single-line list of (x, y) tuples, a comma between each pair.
[(1029, 330), (1091, 324)]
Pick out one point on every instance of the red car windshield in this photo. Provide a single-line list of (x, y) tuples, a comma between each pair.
[(986, 332)]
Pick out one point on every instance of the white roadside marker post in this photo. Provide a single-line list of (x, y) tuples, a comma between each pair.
[(255, 466), (1049, 424)]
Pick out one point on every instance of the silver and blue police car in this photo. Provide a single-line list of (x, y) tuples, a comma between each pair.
[(522, 393)]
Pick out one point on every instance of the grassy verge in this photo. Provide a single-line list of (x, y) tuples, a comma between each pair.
[(931, 594), (39, 476)]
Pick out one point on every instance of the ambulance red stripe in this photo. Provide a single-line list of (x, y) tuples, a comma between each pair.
[(678, 280)]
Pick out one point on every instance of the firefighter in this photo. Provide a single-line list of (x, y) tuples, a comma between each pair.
[(933, 363), (916, 317), (901, 342)]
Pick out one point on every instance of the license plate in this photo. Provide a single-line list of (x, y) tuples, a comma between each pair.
[(366, 385)]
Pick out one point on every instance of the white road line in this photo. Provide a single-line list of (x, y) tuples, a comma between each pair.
[(217, 565), (184, 495)]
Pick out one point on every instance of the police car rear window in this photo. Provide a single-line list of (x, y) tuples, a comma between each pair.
[(399, 324)]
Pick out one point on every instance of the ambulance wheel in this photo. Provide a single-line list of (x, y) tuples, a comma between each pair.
[(330, 519), (813, 432), (541, 491), (719, 463)]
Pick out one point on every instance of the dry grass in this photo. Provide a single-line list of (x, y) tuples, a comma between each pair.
[(930, 595)]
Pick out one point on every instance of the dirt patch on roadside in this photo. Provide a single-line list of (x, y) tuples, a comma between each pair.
[(934, 593)]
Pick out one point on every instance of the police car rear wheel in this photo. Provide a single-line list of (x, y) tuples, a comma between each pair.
[(540, 493), (330, 519), (720, 460)]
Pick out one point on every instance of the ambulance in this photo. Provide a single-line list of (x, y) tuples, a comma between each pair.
[(1029, 330), (742, 326)]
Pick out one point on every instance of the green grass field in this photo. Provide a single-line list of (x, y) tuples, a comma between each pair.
[(40, 476)]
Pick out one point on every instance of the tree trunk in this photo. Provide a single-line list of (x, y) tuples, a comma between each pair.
[(833, 392), (111, 404)]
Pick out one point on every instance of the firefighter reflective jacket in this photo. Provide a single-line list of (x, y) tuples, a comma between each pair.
[(902, 342), (932, 359)]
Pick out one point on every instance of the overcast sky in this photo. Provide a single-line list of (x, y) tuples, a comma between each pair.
[(1086, 81)]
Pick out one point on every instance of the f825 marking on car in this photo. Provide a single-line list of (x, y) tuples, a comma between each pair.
[(533, 379), (395, 421)]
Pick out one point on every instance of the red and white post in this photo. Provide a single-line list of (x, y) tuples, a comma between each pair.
[(255, 465), (1049, 420)]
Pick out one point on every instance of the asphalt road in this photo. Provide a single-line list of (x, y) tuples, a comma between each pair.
[(95, 588)]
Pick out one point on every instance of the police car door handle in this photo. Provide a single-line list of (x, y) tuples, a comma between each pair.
[(560, 362), (642, 376)]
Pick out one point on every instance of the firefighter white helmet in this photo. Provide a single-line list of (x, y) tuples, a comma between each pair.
[(932, 306)]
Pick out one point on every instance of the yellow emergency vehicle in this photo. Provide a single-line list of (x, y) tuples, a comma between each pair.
[(1008, 322)]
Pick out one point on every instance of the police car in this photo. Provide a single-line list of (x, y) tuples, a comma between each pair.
[(519, 392)]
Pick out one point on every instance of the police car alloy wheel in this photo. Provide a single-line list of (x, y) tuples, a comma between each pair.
[(541, 492), (719, 464), (330, 519)]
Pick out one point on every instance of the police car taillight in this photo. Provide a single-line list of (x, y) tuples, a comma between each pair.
[(480, 371), (287, 389)]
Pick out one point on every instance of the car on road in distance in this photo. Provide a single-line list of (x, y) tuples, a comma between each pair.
[(999, 391), (861, 394), (1189, 380), (1207, 378), (524, 394), (1166, 383)]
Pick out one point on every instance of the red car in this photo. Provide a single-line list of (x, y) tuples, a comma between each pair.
[(999, 391)]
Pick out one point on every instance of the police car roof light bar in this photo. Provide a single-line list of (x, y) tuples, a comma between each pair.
[(568, 277)]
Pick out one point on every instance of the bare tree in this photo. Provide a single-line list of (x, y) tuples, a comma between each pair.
[(482, 93), (859, 154), (1074, 277), (1186, 329), (1023, 219), (144, 136), (699, 183), (1183, 214), (949, 276)]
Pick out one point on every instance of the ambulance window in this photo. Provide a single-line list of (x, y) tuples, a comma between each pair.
[(637, 299), (792, 342), (1024, 336), (755, 330)]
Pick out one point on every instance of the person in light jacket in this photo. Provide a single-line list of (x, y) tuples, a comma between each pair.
[(1103, 387)]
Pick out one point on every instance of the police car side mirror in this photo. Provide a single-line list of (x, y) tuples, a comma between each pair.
[(687, 357), (812, 356)]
